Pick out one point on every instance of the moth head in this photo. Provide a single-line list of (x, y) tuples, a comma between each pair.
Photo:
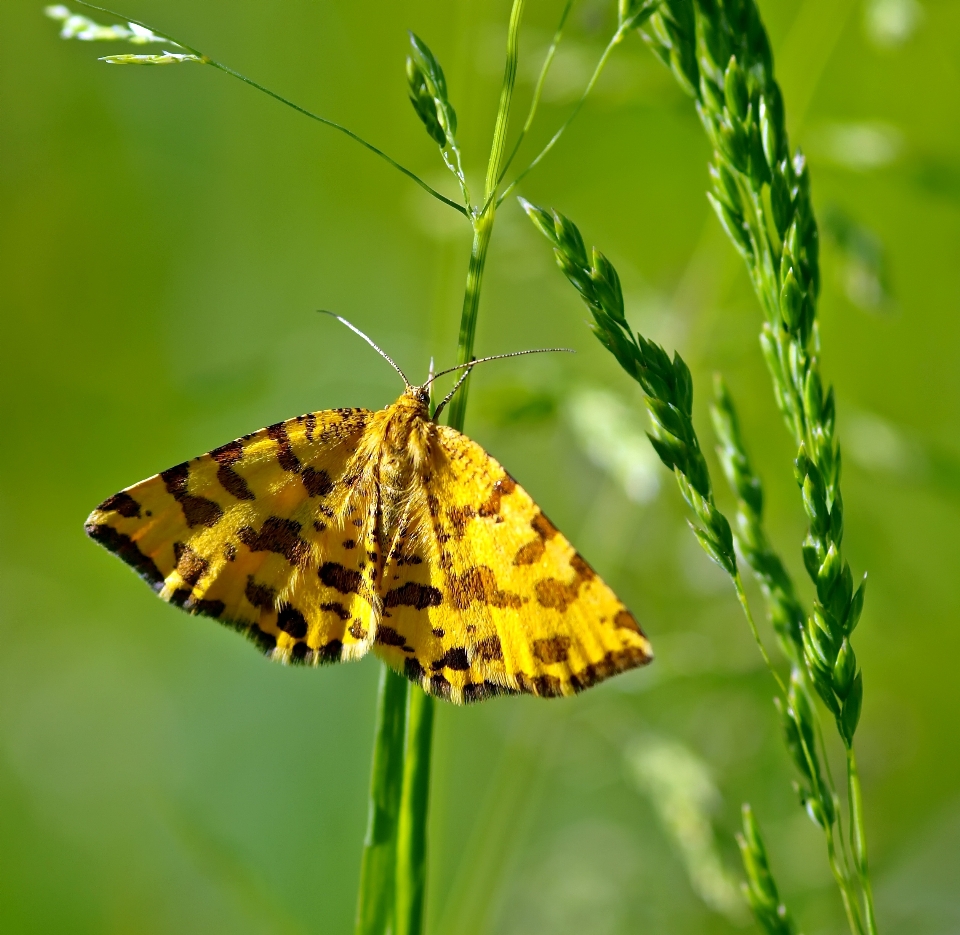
[(422, 394), (418, 399)]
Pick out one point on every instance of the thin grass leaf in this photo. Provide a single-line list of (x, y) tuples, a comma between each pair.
[(140, 29)]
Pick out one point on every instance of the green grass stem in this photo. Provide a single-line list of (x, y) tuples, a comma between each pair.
[(858, 839), (411, 847), (375, 900), (745, 606), (483, 221), (414, 809)]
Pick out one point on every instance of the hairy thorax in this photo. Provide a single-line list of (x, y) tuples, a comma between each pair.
[(392, 465)]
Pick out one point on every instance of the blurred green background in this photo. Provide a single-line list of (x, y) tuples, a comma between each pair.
[(165, 235)]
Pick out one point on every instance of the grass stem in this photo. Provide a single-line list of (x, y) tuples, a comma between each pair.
[(482, 231), (745, 604), (858, 841), (375, 902), (412, 828), (411, 843), (483, 221)]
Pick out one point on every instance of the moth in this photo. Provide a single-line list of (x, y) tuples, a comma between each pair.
[(346, 530)]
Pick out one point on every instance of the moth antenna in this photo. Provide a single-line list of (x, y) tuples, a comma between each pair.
[(471, 364), (449, 396), (430, 374), (369, 341)]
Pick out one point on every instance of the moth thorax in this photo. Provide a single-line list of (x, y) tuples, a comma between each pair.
[(407, 435)]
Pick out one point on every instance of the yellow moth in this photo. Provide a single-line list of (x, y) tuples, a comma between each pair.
[(347, 530)]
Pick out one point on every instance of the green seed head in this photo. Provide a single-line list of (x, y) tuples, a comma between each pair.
[(844, 670)]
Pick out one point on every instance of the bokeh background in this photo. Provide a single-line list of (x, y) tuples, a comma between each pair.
[(165, 235)]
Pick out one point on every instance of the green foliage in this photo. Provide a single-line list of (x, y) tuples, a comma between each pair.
[(720, 55), (761, 195), (719, 52)]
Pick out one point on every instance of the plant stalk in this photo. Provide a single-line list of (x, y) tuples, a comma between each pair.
[(482, 231), (858, 840), (483, 222), (414, 804), (745, 607), (375, 902)]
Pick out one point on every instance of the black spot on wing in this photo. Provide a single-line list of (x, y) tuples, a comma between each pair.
[(198, 511), (387, 636), (229, 453), (440, 687), (480, 691), (413, 671), (207, 608), (357, 630), (260, 595), (234, 484), (277, 535), (489, 649), (285, 455), (121, 503), (291, 621), (335, 607), (552, 649), (318, 483), (331, 652), (125, 548), (180, 597), (266, 642), (190, 565), (454, 658), (226, 456), (415, 595), (175, 480), (341, 579)]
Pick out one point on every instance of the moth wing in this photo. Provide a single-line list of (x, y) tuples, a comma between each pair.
[(487, 597), (255, 535)]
